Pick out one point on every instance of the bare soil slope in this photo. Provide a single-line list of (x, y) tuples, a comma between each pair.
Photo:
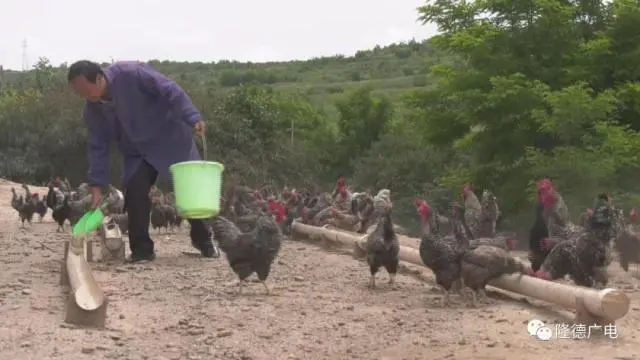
[(181, 307)]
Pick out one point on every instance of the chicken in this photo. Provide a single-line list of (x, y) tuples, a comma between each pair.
[(322, 217), (583, 219), (16, 201), (499, 241), (170, 216), (584, 254), (555, 212), (78, 208), (26, 206), (485, 263), (627, 242), (341, 196), (249, 252), (490, 214), (442, 254), (344, 221), (316, 205), (472, 212), (363, 208), (383, 249), (122, 220), (382, 202), (158, 215), (537, 234), (41, 206), (115, 201), (59, 205)]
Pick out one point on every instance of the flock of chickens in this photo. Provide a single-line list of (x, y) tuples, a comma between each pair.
[(464, 248)]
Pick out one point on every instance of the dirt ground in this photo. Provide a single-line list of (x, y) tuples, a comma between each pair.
[(182, 307)]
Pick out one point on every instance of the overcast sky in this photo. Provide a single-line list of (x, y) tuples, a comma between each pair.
[(201, 30)]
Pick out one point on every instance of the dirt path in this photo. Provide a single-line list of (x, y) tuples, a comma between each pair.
[(184, 308)]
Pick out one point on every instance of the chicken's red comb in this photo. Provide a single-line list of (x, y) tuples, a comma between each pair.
[(590, 211), (544, 184)]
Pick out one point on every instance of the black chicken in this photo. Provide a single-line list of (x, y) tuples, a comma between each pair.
[(442, 254), (537, 233), (26, 206), (158, 216), (249, 252), (41, 206), (583, 255), (383, 249), (59, 205)]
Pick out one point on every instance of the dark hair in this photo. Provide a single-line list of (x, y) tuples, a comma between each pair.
[(86, 68)]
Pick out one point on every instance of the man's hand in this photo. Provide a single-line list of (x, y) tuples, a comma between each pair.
[(199, 128), (96, 196)]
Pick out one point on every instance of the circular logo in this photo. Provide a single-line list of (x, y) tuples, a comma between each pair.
[(544, 333), (533, 326)]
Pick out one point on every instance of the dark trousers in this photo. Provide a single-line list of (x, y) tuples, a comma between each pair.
[(138, 206)]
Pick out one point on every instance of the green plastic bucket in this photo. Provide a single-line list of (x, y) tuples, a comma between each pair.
[(88, 223), (197, 186)]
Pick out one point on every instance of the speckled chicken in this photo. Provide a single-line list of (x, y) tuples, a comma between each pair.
[(383, 249), (500, 241), (472, 211), (582, 255), (362, 208), (249, 252), (122, 220), (490, 214), (442, 254), (484, 263)]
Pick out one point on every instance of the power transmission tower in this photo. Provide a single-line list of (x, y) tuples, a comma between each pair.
[(25, 61)]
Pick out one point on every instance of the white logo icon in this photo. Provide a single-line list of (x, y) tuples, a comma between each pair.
[(544, 333), (533, 326)]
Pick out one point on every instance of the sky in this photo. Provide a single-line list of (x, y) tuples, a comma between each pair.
[(200, 30)]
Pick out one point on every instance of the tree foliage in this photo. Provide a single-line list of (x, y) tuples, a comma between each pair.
[(506, 93)]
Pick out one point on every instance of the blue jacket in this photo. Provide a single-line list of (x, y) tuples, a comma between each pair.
[(150, 117)]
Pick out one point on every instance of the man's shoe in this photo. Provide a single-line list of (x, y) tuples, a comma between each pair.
[(136, 259), (208, 250)]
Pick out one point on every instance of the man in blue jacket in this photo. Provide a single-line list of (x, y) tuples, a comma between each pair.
[(152, 119)]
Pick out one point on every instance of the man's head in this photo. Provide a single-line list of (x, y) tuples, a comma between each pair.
[(87, 80)]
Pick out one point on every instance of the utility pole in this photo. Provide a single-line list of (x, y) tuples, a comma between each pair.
[(292, 130), (25, 62)]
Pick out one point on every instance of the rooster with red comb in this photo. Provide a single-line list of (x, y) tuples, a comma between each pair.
[(584, 256)]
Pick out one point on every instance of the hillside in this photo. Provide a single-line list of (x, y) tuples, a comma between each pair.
[(387, 70)]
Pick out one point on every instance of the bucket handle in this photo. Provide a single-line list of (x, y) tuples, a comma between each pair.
[(204, 147)]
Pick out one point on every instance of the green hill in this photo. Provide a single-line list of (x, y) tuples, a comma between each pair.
[(389, 70)]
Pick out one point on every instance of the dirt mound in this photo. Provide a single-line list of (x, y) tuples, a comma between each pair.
[(181, 307)]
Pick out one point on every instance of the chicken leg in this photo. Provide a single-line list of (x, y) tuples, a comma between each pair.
[(266, 287), (240, 285), (372, 282), (444, 302)]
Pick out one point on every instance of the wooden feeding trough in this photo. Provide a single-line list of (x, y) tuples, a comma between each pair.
[(592, 306)]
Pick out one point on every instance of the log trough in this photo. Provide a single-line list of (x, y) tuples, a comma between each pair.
[(592, 306), (86, 304)]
